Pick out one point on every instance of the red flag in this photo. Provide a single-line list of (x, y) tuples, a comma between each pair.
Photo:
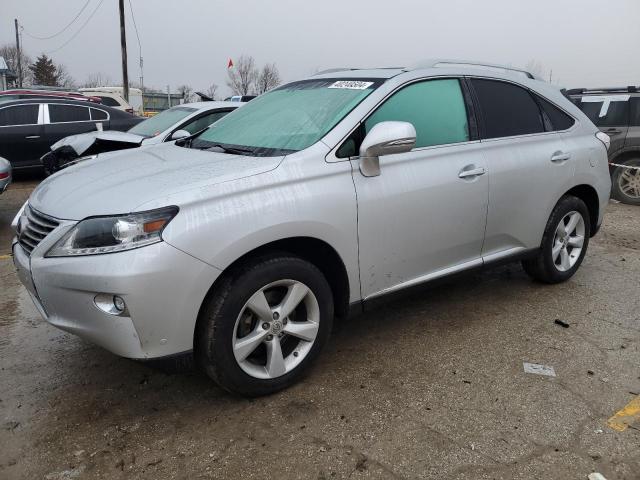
[(230, 64)]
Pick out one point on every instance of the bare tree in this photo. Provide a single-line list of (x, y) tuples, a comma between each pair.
[(97, 79), (212, 91), (268, 78), (186, 92), (535, 67), (10, 53), (243, 76), (64, 77)]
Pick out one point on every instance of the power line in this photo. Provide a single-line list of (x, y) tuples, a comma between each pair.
[(77, 32), (135, 27), (61, 31)]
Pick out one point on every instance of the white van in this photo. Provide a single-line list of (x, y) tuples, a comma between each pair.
[(114, 97)]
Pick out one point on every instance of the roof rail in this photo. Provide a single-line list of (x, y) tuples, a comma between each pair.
[(578, 91), (331, 70), (439, 62)]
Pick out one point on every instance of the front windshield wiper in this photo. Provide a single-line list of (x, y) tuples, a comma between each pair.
[(228, 149)]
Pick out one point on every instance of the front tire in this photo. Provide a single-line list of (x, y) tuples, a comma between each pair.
[(264, 324), (564, 243), (625, 182)]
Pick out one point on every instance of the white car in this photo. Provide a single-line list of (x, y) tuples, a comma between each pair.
[(5, 174), (172, 124), (114, 97)]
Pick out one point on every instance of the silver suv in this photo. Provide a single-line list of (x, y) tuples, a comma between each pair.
[(241, 244)]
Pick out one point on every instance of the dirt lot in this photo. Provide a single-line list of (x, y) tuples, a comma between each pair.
[(431, 386)]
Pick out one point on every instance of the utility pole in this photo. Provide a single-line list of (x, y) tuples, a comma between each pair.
[(123, 45), (19, 55)]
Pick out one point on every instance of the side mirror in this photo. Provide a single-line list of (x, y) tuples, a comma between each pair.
[(178, 134), (385, 138)]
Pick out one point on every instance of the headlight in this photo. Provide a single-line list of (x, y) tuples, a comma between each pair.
[(97, 235)]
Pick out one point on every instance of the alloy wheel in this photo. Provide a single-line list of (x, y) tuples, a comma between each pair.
[(276, 329), (568, 241), (629, 183)]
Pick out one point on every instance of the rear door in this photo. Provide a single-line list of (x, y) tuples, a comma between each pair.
[(529, 165), (610, 113), (632, 139), (65, 120), (21, 135)]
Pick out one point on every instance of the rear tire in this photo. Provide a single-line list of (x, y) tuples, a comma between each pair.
[(625, 182), (264, 324), (564, 243)]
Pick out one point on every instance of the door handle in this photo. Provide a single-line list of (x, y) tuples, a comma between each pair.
[(30, 137), (474, 172), (559, 157), (613, 130)]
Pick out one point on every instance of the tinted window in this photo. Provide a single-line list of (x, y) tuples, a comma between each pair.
[(203, 122), (98, 114), (558, 119), (67, 113), (635, 112), (507, 109), (19, 115), (606, 110), (436, 109), (110, 102)]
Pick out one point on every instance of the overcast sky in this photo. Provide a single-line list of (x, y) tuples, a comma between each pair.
[(583, 42)]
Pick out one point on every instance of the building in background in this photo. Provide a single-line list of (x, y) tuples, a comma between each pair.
[(7, 76)]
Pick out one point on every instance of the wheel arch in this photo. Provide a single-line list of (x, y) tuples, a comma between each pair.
[(316, 251), (589, 196)]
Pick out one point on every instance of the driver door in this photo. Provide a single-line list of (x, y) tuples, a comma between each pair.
[(424, 216)]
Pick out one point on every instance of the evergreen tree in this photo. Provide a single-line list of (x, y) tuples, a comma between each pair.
[(45, 72)]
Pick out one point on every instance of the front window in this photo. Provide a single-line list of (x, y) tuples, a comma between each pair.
[(287, 119), (159, 123)]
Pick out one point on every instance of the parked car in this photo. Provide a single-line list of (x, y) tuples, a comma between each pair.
[(5, 174), (241, 244), (173, 124), (29, 127), (616, 111), (23, 94), (113, 97)]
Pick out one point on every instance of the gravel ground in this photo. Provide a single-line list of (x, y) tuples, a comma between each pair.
[(429, 386)]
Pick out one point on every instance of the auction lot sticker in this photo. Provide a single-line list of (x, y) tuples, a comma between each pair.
[(351, 84)]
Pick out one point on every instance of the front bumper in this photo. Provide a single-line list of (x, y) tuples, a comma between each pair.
[(162, 286)]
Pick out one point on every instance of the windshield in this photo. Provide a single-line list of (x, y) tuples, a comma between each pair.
[(160, 122), (288, 119)]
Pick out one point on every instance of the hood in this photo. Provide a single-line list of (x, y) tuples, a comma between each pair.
[(119, 182), (84, 141)]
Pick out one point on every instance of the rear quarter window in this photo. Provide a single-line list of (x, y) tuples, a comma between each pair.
[(507, 109), (558, 119)]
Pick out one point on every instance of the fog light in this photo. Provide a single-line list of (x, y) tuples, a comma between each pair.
[(111, 304), (118, 302)]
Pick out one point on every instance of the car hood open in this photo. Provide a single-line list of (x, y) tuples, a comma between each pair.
[(97, 142), (119, 182)]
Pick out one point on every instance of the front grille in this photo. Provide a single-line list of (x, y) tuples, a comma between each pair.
[(34, 227)]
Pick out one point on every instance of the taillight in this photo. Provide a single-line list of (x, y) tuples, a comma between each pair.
[(4, 175), (604, 138)]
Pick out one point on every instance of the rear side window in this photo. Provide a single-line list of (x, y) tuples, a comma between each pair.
[(67, 113), (557, 118), (606, 110), (436, 109), (98, 114), (109, 101), (507, 109), (19, 115)]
